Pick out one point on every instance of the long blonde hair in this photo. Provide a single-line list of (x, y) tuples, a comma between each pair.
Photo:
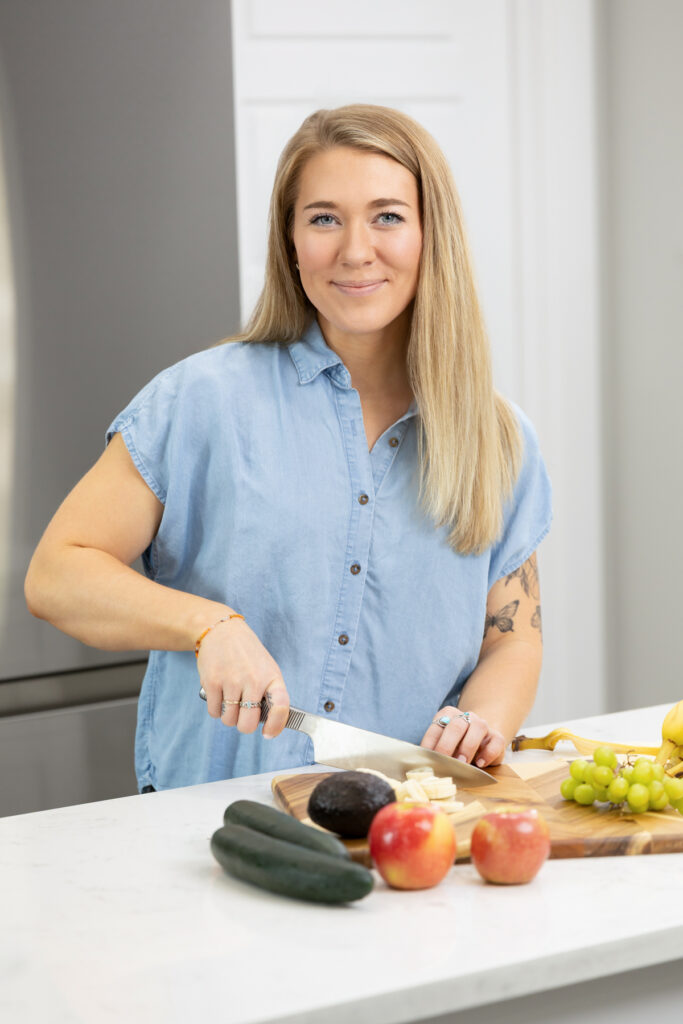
[(468, 436)]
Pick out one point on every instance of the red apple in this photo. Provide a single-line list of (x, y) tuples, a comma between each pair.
[(412, 845), (509, 847)]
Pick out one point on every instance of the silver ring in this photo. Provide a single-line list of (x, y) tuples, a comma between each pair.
[(251, 703), (443, 721), (465, 714)]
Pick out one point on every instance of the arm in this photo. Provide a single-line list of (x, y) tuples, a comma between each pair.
[(80, 580), (500, 692)]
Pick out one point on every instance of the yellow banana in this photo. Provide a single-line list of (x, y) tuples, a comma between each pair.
[(583, 746), (672, 735)]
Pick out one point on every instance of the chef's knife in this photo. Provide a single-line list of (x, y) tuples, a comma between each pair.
[(345, 746)]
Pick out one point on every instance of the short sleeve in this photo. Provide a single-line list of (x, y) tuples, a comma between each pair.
[(147, 428), (528, 513)]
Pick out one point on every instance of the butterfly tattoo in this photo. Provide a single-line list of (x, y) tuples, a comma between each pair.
[(502, 619), (536, 620), (527, 574)]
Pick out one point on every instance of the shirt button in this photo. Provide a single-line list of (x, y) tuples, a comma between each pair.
[(363, 499), (355, 568), (329, 705), (393, 441), (343, 639)]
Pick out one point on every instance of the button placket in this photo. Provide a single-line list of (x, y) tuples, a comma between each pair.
[(352, 583)]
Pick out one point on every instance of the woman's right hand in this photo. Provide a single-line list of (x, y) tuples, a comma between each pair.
[(234, 665)]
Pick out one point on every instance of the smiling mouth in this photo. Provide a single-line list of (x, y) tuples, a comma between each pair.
[(358, 287)]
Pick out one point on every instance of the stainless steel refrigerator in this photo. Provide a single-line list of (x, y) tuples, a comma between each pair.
[(118, 256)]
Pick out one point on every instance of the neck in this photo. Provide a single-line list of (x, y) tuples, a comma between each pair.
[(377, 361)]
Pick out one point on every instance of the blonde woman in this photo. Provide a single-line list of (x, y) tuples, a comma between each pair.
[(336, 505)]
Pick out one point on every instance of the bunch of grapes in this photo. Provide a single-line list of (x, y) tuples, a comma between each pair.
[(640, 786)]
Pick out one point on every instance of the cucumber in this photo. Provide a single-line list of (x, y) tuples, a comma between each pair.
[(275, 823), (288, 869)]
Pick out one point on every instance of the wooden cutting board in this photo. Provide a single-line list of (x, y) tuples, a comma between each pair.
[(575, 831)]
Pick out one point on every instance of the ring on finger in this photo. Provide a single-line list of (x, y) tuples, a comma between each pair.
[(242, 703), (464, 714), (443, 721)]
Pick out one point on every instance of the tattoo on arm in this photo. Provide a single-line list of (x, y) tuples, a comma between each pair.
[(536, 620), (528, 577), (502, 619)]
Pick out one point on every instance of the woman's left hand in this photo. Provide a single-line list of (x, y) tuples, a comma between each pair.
[(466, 736)]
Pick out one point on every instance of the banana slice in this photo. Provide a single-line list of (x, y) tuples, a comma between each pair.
[(394, 783), (439, 788), (448, 806), (412, 791), (420, 773)]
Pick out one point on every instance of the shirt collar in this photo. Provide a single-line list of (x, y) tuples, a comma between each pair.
[(311, 355)]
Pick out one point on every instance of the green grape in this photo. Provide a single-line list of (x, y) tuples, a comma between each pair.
[(601, 794), (567, 788), (605, 756), (617, 790), (576, 769), (626, 772), (674, 789), (602, 776), (588, 773), (584, 794), (658, 798), (638, 798), (642, 772), (678, 804), (658, 772)]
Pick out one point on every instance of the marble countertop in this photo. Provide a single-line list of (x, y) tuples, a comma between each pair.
[(117, 911)]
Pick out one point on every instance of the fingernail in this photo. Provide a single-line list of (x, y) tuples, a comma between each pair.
[(481, 762), (461, 757), (266, 736)]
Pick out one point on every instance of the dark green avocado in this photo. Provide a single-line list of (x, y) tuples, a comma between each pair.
[(346, 802)]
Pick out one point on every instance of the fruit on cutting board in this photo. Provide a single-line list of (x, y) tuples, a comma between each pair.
[(413, 846), (346, 802), (288, 868), (639, 785), (509, 847), (272, 822), (669, 753)]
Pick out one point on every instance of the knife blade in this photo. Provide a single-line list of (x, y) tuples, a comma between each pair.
[(345, 746)]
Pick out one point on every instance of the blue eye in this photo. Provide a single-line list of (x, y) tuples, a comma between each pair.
[(397, 217), (319, 218)]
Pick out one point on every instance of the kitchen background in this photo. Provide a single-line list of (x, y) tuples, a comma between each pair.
[(138, 143)]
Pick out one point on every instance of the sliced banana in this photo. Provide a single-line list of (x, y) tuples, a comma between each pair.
[(420, 773), (413, 791), (394, 783), (448, 806), (439, 789)]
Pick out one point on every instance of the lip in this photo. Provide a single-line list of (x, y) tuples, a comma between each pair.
[(358, 287)]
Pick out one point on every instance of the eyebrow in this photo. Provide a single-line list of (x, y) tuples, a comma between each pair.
[(324, 204)]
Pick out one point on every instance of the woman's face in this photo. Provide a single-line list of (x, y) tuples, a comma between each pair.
[(358, 239)]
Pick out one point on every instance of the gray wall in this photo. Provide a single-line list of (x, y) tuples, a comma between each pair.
[(643, 359)]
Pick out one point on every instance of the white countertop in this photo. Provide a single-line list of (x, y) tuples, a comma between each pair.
[(116, 911)]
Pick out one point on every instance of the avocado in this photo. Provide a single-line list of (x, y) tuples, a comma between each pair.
[(347, 802)]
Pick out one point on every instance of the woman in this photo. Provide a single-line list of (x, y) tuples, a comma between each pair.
[(335, 505)]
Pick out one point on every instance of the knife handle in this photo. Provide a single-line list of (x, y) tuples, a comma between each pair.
[(295, 719)]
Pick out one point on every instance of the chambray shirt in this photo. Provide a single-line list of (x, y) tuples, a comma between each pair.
[(274, 505)]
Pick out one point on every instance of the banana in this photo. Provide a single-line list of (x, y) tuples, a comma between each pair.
[(439, 788), (672, 736), (583, 746), (412, 791)]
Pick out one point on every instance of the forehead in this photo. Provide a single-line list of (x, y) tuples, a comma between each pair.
[(342, 172)]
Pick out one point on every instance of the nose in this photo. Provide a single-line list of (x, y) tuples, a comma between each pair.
[(356, 244)]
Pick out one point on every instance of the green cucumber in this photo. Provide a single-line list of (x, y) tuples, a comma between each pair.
[(276, 823), (288, 869)]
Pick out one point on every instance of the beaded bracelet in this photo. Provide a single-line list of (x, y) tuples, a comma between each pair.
[(226, 618)]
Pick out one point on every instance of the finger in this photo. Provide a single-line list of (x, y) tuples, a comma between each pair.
[(277, 695), (491, 750), (469, 742), (213, 689), (230, 699), (434, 735)]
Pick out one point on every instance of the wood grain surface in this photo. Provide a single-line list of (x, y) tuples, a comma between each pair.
[(575, 831)]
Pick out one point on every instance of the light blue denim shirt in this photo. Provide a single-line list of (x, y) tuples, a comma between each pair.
[(274, 505)]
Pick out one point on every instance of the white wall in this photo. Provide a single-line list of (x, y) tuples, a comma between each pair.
[(643, 259), (508, 89)]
